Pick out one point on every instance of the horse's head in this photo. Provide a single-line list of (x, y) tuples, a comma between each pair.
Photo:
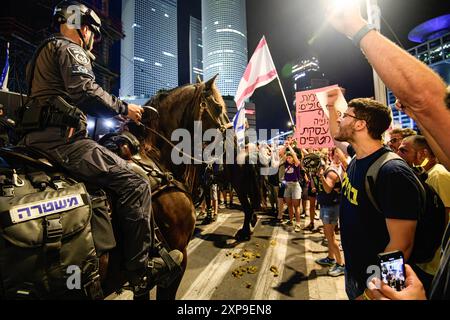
[(183, 106), (212, 112)]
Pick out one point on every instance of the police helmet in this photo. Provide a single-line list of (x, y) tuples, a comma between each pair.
[(66, 12)]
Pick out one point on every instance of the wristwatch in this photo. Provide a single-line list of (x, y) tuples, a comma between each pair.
[(362, 33)]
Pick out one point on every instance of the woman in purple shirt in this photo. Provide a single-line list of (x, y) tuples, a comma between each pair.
[(293, 192)]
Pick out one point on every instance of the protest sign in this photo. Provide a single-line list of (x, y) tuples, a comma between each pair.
[(313, 130)]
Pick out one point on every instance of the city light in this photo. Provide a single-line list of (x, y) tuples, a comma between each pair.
[(90, 125), (109, 124)]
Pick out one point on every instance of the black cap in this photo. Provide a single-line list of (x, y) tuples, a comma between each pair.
[(65, 12)]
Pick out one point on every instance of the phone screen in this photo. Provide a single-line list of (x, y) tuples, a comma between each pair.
[(393, 271)]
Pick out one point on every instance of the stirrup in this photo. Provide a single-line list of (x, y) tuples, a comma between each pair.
[(174, 268)]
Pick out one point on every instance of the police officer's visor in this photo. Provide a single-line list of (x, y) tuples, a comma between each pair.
[(94, 23)]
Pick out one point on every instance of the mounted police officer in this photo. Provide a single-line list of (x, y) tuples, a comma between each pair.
[(62, 90)]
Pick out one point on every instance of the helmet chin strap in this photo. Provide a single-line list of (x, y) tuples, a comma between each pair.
[(87, 46), (82, 39)]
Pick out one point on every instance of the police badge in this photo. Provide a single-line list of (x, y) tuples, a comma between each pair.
[(79, 55)]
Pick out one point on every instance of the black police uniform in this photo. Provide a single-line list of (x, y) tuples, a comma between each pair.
[(63, 68)]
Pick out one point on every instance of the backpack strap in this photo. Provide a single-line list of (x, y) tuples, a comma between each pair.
[(372, 174)]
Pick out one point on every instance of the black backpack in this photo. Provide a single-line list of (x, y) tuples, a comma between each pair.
[(431, 222)]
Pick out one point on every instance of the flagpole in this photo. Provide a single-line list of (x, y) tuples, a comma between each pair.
[(285, 100), (281, 87), (5, 80)]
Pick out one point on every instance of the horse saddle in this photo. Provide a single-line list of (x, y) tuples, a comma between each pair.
[(28, 156), (160, 179)]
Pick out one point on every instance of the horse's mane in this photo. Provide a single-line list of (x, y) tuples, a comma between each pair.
[(162, 94), (152, 145)]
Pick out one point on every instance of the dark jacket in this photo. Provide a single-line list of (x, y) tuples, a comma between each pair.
[(64, 68)]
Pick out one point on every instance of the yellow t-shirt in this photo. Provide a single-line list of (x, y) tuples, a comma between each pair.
[(439, 180)]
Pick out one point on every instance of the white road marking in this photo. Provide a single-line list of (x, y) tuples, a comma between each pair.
[(194, 243), (275, 256), (212, 275)]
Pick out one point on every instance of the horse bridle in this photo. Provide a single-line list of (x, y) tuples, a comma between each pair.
[(204, 107)]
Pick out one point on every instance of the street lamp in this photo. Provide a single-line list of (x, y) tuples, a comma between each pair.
[(374, 17)]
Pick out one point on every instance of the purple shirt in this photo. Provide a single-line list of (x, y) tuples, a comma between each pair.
[(292, 173)]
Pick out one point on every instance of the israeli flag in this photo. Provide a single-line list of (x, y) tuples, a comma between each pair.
[(5, 72), (239, 127)]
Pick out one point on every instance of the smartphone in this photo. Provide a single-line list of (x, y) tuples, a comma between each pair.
[(392, 266)]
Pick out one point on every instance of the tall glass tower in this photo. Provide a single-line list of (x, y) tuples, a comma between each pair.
[(149, 58), (224, 27), (195, 49), (433, 49)]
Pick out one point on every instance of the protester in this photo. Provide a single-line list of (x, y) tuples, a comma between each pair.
[(397, 135), (421, 91), (329, 197), (293, 191), (416, 152), (364, 231), (282, 186), (313, 182), (440, 289)]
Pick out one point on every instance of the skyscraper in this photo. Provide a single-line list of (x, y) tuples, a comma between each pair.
[(224, 28), (307, 75), (433, 37), (195, 49), (149, 59)]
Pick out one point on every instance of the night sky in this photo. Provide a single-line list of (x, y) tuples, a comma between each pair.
[(289, 24)]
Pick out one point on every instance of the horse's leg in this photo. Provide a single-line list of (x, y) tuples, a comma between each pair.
[(175, 216), (244, 234)]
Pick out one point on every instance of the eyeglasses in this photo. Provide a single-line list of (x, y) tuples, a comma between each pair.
[(395, 140), (345, 115)]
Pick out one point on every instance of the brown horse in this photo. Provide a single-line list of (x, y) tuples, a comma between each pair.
[(172, 202), (179, 108)]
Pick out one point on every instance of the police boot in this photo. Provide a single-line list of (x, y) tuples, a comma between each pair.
[(160, 271), (163, 270)]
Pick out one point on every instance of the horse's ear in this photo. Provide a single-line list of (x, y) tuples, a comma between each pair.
[(210, 83), (199, 80)]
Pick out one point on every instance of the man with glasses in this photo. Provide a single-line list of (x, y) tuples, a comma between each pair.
[(365, 232), (397, 135)]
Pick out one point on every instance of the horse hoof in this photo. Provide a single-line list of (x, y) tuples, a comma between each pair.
[(242, 236), (254, 220)]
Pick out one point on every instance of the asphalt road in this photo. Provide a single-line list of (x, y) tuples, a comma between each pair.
[(276, 264)]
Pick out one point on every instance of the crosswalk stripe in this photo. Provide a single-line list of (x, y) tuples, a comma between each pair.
[(275, 256), (194, 243), (212, 275)]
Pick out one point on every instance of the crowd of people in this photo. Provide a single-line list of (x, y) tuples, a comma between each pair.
[(366, 188), (377, 195)]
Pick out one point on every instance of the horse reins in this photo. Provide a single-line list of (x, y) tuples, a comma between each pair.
[(203, 106)]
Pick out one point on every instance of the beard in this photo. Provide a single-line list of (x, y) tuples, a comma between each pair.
[(345, 134)]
